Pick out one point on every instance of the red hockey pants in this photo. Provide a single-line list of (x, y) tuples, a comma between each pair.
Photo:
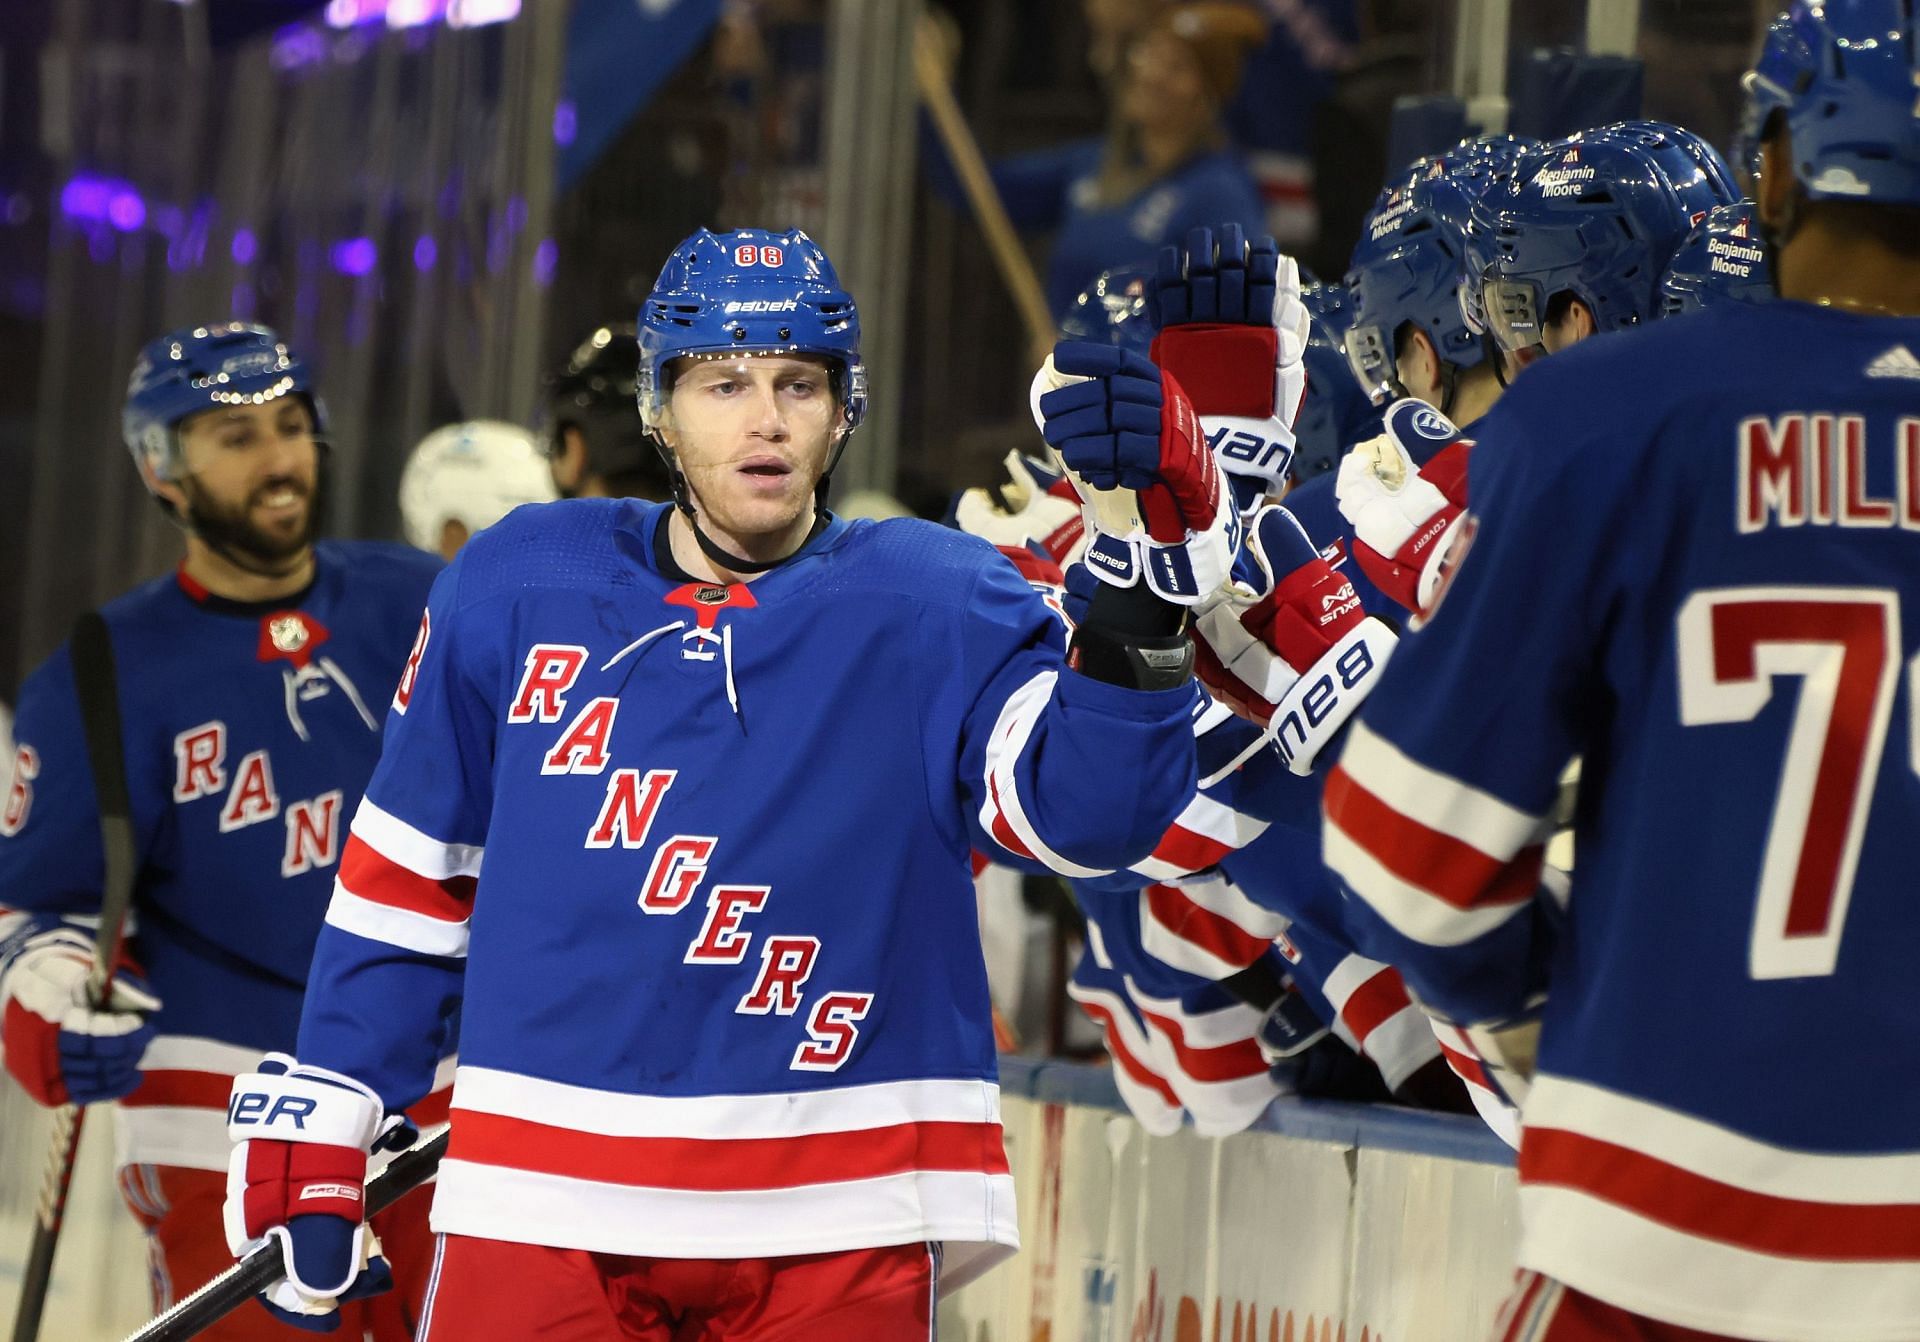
[(187, 1247), (485, 1288)]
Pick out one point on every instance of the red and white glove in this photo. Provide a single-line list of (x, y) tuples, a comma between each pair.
[(60, 1047), (298, 1176), (1233, 331), (1035, 506), (1133, 448), (1403, 493), (1288, 646)]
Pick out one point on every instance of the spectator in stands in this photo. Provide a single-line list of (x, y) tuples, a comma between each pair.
[(1164, 167)]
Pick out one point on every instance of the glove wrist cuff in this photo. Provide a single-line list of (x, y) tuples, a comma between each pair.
[(1317, 705), (1131, 661)]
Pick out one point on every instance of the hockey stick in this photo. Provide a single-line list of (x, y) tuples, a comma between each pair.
[(96, 686), (264, 1266), (1016, 269)]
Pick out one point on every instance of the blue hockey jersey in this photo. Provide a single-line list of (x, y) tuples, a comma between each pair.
[(1693, 563), (697, 860), (249, 732)]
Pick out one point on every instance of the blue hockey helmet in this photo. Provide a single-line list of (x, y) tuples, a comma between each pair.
[(1113, 310), (1335, 413), (750, 291), (1722, 261), (1845, 74), (1407, 265), (200, 368), (1598, 216)]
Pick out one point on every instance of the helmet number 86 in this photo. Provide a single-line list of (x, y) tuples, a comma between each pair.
[(754, 254)]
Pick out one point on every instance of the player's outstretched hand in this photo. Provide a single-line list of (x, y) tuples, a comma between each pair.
[(298, 1177), (60, 1046), (1288, 646), (1233, 331), (1034, 506), (1130, 441), (1402, 492)]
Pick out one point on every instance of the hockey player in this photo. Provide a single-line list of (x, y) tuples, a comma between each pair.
[(249, 684), (465, 477), (1569, 242), (1707, 588), (1724, 260), (732, 1070), (599, 447)]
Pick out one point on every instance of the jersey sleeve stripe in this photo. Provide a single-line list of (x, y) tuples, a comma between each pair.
[(1126, 1056), (730, 1164), (1437, 800), (408, 847), (1368, 1005), (403, 928), (1167, 915), (372, 876), (1412, 910), (1445, 866), (1003, 814)]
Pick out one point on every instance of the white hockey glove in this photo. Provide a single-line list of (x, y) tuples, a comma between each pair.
[(1288, 645), (60, 1047), (1037, 506), (1233, 332), (1132, 446), (1403, 493), (298, 1176)]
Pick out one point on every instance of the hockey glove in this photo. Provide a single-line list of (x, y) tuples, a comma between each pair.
[(1403, 493), (1132, 447), (1288, 645), (1035, 506), (60, 1046), (298, 1176), (1233, 332)]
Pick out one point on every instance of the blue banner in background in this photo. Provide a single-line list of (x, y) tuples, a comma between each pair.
[(619, 53)]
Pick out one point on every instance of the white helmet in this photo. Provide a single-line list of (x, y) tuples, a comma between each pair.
[(473, 473)]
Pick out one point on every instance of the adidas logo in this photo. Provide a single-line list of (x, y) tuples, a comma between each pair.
[(1896, 362)]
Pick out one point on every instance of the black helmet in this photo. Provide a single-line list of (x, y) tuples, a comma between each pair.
[(596, 391)]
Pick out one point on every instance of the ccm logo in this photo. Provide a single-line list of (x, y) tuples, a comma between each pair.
[(344, 1192), (256, 1107)]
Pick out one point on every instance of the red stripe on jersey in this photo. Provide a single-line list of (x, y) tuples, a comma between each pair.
[(366, 872), (1696, 1205), (1375, 1002), (1218, 936), (1190, 851), (1221, 1062), (1003, 832), (1467, 1068), (978, 862), (1132, 1066), (181, 1089), (728, 1164), (1438, 863), (434, 1109)]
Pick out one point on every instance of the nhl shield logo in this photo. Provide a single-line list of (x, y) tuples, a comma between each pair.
[(288, 633), (711, 596)]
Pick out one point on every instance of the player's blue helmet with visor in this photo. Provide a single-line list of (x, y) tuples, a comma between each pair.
[(200, 368), (750, 291), (1723, 260), (1846, 76), (1113, 310), (1407, 265), (1335, 413), (1597, 216)]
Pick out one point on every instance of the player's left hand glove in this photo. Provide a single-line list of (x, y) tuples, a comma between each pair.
[(1288, 646), (1403, 493), (1233, 332), (1133, 448), (298, 1176), (59, 1045)]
